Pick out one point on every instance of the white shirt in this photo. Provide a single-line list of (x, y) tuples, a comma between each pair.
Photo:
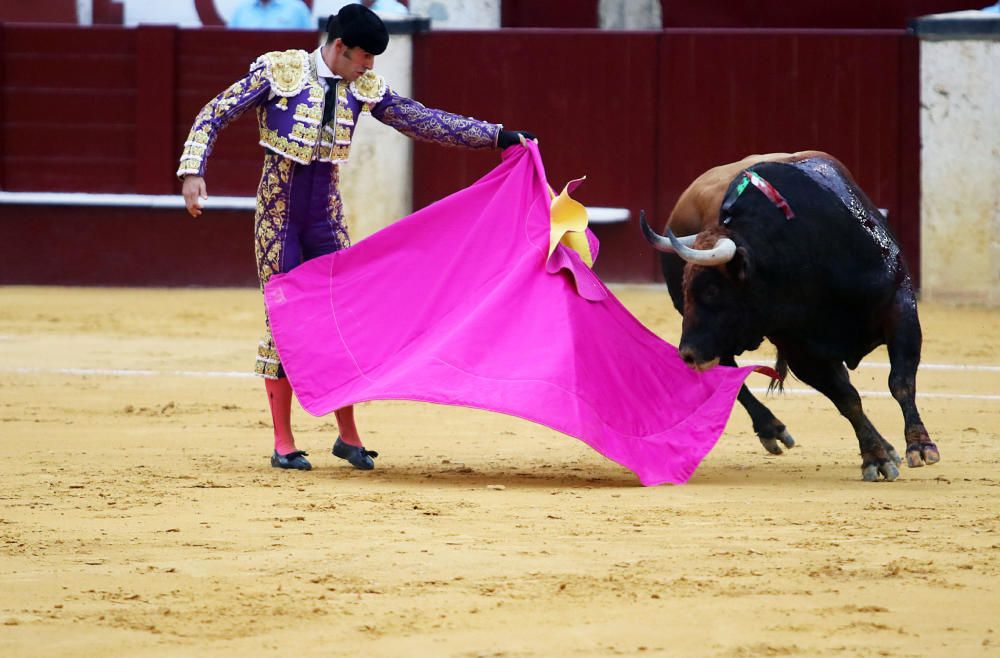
[(322, 70)]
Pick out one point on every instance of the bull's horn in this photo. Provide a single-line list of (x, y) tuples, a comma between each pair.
[(722, 252), (658, 241)]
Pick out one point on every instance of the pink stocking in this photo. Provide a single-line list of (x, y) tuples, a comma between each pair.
[(348, 429), (279, 398)]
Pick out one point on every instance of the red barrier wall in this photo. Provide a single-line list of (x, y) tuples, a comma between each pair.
[(88, 246), (46, 11), (640, 113), (595, 116), (583, 13), (644, 113), (726, 94), (117, 123), (551, 13), (69, 131)]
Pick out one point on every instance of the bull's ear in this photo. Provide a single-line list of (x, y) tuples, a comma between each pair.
[(740, 267)]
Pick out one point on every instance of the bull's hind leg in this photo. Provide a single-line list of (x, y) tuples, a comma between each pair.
[(771, 431), (904, 356), (831, 379)]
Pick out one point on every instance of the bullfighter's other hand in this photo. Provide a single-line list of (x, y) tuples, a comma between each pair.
[(193, 190), (511, 137)]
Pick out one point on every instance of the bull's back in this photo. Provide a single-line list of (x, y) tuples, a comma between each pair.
[(698, 206), (836, 247)]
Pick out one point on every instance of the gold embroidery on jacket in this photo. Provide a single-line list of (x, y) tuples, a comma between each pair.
[(301, 153), (305, 134), (369, 88), (287, 71)]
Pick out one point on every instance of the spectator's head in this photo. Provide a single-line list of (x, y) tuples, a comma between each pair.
[(358, 27)]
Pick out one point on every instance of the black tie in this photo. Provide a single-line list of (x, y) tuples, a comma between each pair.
[(330, 103)]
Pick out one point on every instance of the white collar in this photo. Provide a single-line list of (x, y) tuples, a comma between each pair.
[(322, 70)]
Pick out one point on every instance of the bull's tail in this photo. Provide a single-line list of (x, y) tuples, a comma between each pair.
[(781, 365)]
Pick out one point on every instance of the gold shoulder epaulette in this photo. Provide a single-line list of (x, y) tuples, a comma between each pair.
[(287, 71), (369, 88)]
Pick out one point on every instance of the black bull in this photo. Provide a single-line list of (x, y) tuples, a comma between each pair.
[(799, 255)]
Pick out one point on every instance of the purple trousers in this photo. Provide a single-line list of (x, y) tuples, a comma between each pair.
[(299, 217)]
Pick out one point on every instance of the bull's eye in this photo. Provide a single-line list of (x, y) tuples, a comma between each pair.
[(710, 294)]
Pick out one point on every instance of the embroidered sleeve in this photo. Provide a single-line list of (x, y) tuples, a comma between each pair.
[(423, 123), (248, 92)]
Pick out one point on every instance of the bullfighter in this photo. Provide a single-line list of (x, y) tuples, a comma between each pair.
[(308, 105)]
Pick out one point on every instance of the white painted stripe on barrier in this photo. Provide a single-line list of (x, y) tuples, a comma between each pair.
[(111, 372), (123, 200), (602, 215), (595, 214)]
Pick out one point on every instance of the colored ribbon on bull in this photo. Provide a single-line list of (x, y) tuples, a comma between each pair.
[(751, 177)]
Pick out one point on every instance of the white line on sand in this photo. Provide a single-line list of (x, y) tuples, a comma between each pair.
[(109, 372)]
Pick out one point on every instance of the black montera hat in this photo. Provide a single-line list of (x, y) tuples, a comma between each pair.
[(357, 25)]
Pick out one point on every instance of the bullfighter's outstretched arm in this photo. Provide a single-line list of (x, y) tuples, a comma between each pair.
[(426, 124)]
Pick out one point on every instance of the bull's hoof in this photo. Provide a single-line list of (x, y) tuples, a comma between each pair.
[(772, 445), (894, 456), (871, 470), (921, 454)]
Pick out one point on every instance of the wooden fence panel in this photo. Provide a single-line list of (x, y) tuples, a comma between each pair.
[(591, 100), (68, 129), (640, 113), (728, 94)]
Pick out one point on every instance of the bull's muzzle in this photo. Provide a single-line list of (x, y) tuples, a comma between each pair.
[(695, 361)]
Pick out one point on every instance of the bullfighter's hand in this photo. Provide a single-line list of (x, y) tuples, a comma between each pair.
[(510, 137), (193, 190)]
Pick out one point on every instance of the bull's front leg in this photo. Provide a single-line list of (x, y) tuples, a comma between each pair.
[(830, 378), (904, 344), (771, 431)]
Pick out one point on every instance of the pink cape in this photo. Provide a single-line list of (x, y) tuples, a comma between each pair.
[(457, 305)]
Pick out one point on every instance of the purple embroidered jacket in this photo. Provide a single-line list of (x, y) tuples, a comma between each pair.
[(289, 98)]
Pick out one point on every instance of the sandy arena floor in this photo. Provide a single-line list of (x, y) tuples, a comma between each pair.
[(141, 518)]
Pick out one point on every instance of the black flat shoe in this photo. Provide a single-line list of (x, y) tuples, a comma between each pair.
[(296, 460), (358, 457)]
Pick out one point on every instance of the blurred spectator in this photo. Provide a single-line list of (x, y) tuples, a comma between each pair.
[(386, 6), (273, 15)]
